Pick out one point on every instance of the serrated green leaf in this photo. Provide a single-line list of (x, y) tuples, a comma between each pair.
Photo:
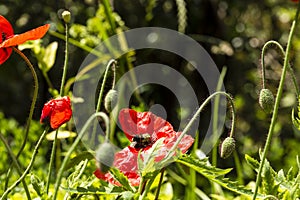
[(37, 184), (122, 179), (215, 175), (253, 163), (268, 183)]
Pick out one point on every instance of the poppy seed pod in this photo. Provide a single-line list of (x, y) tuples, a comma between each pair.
[(66, 15), (105, 156), (227, 147), (110, 100), (266, 100)]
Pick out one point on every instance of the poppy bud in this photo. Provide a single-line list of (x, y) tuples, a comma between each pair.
[(105, 156), (66, 15), (227, 147), (110, 100), (266, 100)]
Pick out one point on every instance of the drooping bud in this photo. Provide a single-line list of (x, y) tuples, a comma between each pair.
[(105, 156), (266, 100), (227, 147), (110, 100), (66, 15)]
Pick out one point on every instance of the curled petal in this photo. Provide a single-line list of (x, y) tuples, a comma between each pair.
[(33, 34), (4, 54)]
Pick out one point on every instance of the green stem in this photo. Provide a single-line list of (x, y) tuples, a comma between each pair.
[(216, 116), (111, 63), (15, 162), (72, 148), (34, 98), (159, 184), (289, 68), (61, 93), (188, 126), (108, 12), (277, 102), (50, 85), (63, 79), (28, 167)]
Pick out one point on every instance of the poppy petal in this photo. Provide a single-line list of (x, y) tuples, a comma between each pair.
[(4, 54), (6, 29), (33, 34), (135, 123)]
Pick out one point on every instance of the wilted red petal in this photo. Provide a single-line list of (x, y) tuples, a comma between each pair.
[(57, 112), (33, 34), (135, 123)]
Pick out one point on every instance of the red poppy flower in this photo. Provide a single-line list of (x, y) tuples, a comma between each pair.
[(143, 129), (56, 112), (8, 39)]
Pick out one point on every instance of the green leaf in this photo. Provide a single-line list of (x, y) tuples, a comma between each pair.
[(215, 175), (254, 164), (296, 116), (50, 55), (122, 179), (37, 184), (80, 157)]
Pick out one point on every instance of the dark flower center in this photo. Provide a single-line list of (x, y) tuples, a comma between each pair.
[(3, 36), (141, 140)]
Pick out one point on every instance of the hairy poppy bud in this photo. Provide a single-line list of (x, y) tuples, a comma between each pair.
[(66, 15), (110, 100), (105, 156), (266, 100), (227, 147)]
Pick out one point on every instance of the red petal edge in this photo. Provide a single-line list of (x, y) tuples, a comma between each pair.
[(33, 34)]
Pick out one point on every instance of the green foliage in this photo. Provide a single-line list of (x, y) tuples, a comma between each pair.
[(277, 184)]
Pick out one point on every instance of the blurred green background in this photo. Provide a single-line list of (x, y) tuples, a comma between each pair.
[(233, 33)]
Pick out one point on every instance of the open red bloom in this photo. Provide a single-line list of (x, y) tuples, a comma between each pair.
[(8, 39), (57, 112), (135, 125)]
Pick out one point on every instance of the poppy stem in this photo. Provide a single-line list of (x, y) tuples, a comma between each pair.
[(111, 64), (159, 184), (15, 162), (61, 93), (72, 148), (277, 102), (263, 67), (34, 98), (35, 151), (188, 126)]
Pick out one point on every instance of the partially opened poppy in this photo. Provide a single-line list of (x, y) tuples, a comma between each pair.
[(143, 129), (57, 112), (8, 39)]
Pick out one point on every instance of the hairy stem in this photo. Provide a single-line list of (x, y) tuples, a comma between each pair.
[(277, 102), (28, 167), (72, 148), (15, 162)]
